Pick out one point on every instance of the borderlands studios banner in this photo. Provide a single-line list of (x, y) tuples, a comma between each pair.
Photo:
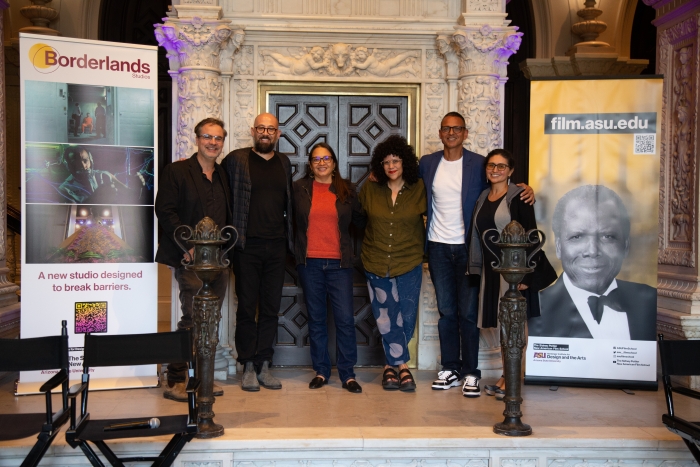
[(594, 164), (88, 156)]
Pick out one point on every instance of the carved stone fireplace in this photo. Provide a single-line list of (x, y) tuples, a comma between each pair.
[(223, 58)]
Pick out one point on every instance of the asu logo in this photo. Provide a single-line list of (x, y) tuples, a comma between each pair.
[(43, 58), (540, 355)]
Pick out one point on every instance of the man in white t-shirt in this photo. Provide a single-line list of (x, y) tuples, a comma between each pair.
[(454, 178)]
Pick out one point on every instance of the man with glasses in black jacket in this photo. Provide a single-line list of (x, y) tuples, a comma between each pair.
[(261, 197), (189, 190)]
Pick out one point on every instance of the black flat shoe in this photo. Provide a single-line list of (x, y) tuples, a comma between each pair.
[(407, 383), (353, 386), (317, 382)]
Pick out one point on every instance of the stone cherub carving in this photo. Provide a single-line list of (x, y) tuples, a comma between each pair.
[(229, 48), (338, 59), (166, 36), (297, 66), (363, 60), (447, 50)]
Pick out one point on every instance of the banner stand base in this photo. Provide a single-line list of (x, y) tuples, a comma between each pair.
[(592, 383), (98, 384)]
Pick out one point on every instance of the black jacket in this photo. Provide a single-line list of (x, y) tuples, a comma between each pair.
[(349, 211), (560, 317), (236, 165), (179, 202)]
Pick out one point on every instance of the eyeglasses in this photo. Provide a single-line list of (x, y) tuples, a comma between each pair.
[(499, 167), (263, 129), (391, 162), (452, 129), (216, 139), (317, 160)]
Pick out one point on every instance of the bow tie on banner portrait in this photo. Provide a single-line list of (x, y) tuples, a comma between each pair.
[(597, 304)]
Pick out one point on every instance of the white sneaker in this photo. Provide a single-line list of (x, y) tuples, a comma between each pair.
[(446, 379), (471, 387)]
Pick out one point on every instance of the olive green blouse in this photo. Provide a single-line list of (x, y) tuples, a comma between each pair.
[(395, 233)]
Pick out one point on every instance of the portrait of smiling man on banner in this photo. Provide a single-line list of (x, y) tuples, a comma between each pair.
[(591, 227)]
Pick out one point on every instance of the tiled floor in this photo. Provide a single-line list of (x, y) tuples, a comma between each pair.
[(297, 406)]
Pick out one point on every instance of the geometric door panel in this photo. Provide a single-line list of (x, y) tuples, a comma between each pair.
[(365, 121), (353, 126)]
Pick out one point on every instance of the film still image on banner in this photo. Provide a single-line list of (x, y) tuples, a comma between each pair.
[(64, 173), (83, 114), (89, 234)]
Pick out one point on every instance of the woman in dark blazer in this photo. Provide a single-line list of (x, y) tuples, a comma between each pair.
[(325, 205)]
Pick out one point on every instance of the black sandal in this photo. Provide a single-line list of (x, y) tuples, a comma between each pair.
[(390, 380), (407, 381)]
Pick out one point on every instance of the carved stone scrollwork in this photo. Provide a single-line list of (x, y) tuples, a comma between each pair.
[(678, 59), (480, 104), (483, 5), (434, 111), (199, 50), (340, 60)]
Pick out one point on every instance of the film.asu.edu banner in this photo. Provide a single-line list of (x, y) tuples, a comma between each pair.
[(88, 155), (594, 164)]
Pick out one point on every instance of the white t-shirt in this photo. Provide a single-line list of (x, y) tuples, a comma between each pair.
[(613, 324), (447, 225)]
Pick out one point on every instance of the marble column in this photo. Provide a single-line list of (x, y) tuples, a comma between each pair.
[(200, 47), (678, 59), (9, 302), (483, 45)]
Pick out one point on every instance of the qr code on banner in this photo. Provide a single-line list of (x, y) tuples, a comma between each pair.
[(90, 317), (645, 143)]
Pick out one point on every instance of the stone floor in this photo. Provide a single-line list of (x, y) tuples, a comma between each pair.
[(297, 406)]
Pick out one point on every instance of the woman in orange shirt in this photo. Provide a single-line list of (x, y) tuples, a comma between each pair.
[(324, 206)]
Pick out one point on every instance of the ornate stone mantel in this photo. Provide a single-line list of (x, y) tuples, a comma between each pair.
[(217, 71)]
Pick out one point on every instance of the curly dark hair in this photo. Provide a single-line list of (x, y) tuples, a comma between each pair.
[(397, 146)]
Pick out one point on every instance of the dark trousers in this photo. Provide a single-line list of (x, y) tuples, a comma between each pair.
[(458, 305), (259, 270), (324, 279), (189, 286)]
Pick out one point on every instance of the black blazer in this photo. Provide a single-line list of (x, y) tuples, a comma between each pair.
[(560, 317), (179, 202)]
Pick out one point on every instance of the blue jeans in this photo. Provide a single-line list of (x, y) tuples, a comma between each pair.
[(458, 304), (321, 278), (395, 306)]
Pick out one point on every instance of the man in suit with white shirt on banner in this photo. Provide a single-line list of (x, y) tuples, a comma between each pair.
[(592, 234)]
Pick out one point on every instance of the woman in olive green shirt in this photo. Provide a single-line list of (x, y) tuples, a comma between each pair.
[(392, 252)]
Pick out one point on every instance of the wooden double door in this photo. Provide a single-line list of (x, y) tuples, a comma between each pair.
[(353, 126)]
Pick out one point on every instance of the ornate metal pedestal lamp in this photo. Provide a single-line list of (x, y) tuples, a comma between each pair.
[(513, 266), (207, 263)]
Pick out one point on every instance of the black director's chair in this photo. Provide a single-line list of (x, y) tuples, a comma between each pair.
[(39, 353), (131, 350), (680, 358)]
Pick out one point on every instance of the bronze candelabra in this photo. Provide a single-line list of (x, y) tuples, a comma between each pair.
[(207, 261), (513, 266)]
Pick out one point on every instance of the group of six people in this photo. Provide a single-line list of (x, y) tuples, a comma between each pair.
[(252, 190)]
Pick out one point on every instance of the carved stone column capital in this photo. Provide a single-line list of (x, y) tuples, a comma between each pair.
[(194, 43), (486, 49), (483, 58), (200, 47)]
